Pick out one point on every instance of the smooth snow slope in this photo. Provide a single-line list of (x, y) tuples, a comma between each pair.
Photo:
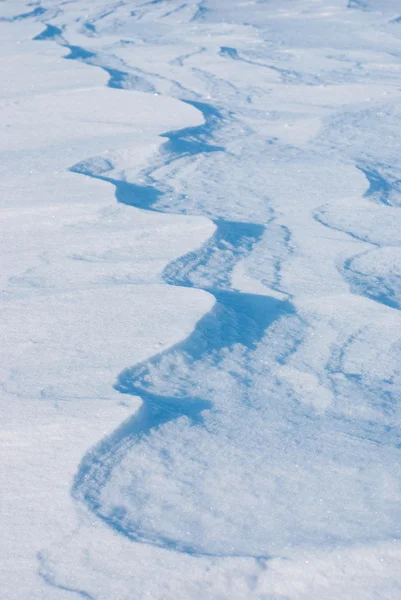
[(202, 337)]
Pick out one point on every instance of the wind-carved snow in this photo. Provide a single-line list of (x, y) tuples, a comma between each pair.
[(262, 461)]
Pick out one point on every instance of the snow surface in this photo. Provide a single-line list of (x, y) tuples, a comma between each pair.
[(201, 267)]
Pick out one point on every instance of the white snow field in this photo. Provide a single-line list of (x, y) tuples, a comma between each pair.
[(201, 294)]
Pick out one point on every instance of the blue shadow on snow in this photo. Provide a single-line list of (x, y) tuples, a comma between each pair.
[(49, 33), (193, 140), (232, 239)]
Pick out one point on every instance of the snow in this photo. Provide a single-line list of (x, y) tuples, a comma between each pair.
[(201, 335)]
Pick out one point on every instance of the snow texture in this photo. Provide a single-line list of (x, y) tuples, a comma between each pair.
[(201, 294)]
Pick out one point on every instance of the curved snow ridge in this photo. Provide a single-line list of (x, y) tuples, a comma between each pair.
[(236, 320)]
